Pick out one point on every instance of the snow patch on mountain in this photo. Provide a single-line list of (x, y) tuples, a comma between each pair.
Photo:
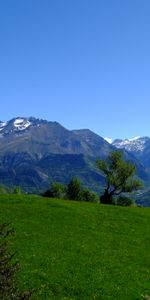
[(21, 124), (134, 138), (109, 140), (136, 144), (2, 125), (18, 122)]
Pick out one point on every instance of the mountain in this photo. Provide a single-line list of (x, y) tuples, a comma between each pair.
[(40, 137), (36, 152), (139, 147), (135, 145)]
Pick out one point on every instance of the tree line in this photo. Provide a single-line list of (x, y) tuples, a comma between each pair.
[(72, 191)]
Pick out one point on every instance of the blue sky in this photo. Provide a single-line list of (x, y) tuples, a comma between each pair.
[(85, 64)]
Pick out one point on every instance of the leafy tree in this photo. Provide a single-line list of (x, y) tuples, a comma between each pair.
[(119, 176), (73, 189), (9, 268)]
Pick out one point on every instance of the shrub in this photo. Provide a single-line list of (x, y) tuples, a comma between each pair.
[(57, 190), (17, 190), (86, 195), (48, 194), (124, 201)]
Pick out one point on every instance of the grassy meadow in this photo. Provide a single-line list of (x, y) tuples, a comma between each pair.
[(75, 250)]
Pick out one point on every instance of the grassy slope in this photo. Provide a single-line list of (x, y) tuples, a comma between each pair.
[(71, 250)]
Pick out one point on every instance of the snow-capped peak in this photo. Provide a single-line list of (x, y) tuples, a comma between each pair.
[(134, 138), (21, 124), (136, 144), (18, 121), (109, 140)]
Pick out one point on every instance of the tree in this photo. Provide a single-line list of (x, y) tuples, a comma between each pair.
[(73, 189), (119, 175), (9, 268)]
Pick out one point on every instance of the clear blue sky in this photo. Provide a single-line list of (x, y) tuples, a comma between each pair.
[(83, 63)]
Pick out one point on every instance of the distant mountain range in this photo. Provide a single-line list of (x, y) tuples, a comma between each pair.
[(35, 152)]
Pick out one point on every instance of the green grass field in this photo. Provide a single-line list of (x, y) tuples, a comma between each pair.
[(75, 250)]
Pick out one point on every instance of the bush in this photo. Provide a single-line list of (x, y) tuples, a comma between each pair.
[(57, 190), (124, 201), (17, 190), (86, 195), (48, 194)]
